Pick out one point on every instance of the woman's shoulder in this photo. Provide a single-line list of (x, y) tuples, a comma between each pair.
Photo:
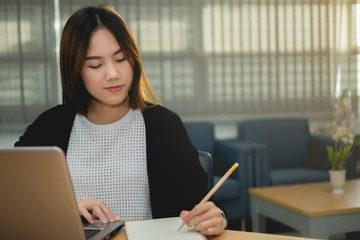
[(59, 111), (160, 113), (50, 128), (164, 128)]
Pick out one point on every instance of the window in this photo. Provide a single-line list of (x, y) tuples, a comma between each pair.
[(206, 59), (28, 83)]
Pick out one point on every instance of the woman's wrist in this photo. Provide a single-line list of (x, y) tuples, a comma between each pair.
[(225, 221)]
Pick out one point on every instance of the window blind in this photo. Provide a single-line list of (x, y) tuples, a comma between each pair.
[(206, 59)]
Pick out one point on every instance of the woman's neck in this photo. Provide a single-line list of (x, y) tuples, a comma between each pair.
[(106, 114)]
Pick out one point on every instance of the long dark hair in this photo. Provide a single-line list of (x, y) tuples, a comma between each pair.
[(73, 48)]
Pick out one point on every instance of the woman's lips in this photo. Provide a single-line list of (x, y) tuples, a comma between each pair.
[(114, 88)]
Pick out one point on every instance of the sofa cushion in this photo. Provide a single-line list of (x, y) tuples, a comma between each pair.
[(202, 136), (228, 190), (287, 139), (297, 175)]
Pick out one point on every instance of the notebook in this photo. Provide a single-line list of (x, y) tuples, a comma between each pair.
[(37, 200), (161, 229)]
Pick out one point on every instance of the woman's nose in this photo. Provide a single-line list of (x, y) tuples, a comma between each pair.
[(112, 72)]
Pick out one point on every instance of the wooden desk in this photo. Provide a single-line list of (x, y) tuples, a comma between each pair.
[(311, 208), (232, 235)]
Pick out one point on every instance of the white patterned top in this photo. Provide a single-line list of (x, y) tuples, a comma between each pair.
[(108, 163)]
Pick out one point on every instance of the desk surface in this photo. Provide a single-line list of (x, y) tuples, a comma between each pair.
[(313, 199), (233, 235)]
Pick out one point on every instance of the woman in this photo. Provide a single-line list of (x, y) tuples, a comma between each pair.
[(127, 155)]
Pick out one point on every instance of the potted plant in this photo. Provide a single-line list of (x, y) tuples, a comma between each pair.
[(341, 150), (341, 132), (337, 155)]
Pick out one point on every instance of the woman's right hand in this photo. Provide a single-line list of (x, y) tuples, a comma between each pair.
[(91, 209)]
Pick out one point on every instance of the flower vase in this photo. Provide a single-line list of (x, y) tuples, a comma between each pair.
[(337, 180)]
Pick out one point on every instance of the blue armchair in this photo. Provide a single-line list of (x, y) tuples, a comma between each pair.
[(207, 164), (288, 146), (233, 193)]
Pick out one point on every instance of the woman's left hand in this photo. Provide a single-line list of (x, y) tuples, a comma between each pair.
[(206, 218)]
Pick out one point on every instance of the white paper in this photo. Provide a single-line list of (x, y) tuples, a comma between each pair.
[(161, 229)]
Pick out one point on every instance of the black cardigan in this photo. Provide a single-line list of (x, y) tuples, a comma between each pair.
[(176, 179)]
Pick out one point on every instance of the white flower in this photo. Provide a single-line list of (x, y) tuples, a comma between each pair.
[(344, 134)]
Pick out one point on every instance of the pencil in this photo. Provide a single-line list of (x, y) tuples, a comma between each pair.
[(215, 188)]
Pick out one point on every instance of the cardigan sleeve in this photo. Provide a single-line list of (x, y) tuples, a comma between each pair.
[(177, 180)]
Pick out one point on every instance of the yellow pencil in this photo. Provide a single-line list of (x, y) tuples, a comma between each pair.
[(213, 190)]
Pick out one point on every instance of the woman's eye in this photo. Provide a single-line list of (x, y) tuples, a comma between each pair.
[(94, 67), (120, 60)]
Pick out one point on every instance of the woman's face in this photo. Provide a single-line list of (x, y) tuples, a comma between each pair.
[(106, 74)]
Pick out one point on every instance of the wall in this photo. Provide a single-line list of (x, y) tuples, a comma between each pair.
[(222, 131), (8, 139)]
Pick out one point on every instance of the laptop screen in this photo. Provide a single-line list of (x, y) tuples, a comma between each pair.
[(37, 198)]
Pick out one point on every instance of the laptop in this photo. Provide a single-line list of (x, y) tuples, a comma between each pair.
[(37, 200)]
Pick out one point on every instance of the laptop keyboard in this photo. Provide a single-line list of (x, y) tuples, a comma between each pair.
[(91, 232)]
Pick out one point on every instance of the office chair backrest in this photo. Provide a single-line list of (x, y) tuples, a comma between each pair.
[(201, 135), (287, 139), (207, 164)]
